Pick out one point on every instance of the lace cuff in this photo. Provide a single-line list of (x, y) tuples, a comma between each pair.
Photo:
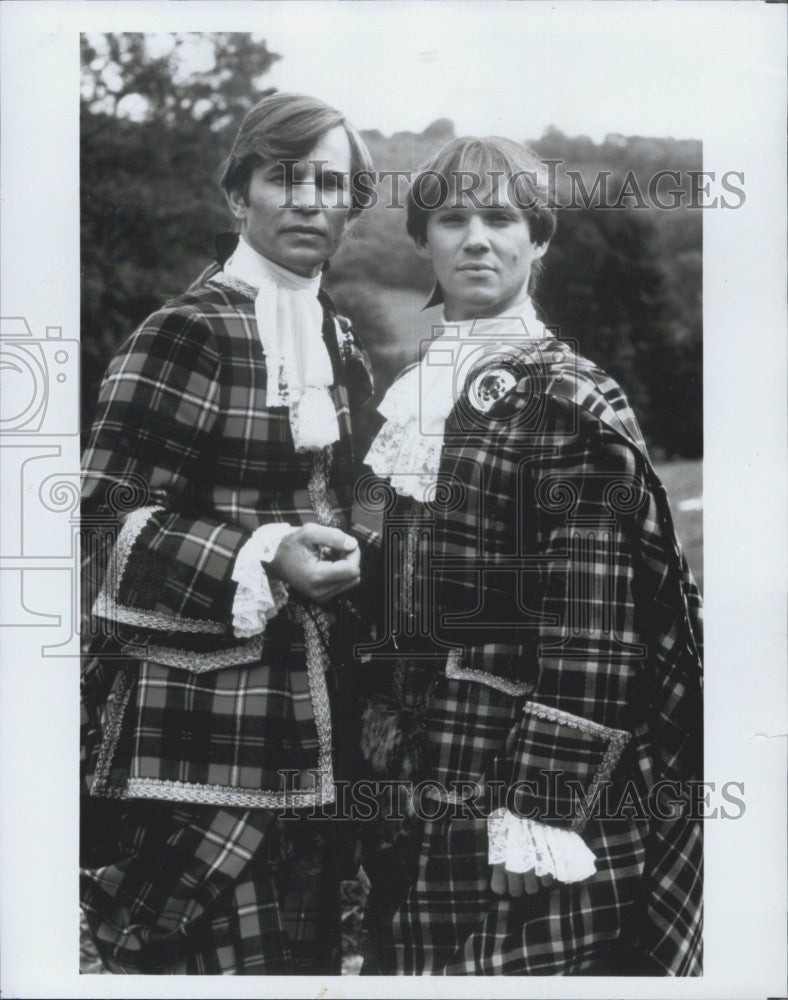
[(522, 844), (258, 598)]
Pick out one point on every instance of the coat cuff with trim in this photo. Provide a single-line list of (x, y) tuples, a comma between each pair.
[(114, 602), (559, 765)]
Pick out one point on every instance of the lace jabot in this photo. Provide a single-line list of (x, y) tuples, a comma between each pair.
[(408, 447), (290, 325)]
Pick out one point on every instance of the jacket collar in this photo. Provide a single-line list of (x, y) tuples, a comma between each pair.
[(435, 299)]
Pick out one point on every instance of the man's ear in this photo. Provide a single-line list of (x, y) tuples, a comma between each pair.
[(237, 203), (540, 249), (421, 248)]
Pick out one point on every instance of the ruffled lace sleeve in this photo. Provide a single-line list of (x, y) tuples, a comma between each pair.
[(258, 598), (522, 844)]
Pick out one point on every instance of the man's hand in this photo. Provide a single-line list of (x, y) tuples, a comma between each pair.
[(516, 883), (317, 561)]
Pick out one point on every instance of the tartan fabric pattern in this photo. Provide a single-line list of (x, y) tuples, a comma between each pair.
[(567, 930), (241, 724), (557, 541), (182, 424), (184, 462), (211, 891), (579, 756), (446, 921), (219, 736), (464, 745)]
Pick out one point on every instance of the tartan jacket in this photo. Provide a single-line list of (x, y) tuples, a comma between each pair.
[(185, 460), (560, 612)]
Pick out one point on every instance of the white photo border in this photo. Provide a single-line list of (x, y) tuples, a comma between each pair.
[(742, 50)]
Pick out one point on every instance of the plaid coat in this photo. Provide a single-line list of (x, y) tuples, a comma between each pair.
[(185, 460), (554, 637)]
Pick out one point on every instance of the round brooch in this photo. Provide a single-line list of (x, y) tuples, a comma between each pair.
[(490, 386)]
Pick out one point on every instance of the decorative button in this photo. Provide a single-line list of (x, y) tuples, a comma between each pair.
[(489, 387)]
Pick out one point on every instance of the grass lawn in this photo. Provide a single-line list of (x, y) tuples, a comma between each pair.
[(684, 482)]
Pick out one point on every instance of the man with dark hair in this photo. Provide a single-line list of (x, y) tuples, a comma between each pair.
[(222, 453)]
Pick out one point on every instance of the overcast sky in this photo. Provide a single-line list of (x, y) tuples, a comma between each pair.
[(513, 68)]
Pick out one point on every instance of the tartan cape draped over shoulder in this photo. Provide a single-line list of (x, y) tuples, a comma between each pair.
[(185, 460), (568, 630)]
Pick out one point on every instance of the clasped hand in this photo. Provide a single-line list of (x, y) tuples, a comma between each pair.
[(317, 561), (516, 883)]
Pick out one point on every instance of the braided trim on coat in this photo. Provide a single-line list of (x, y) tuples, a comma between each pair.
[(109, 742), (107, 606), (217, 795), (614, 750), (234, 284), (200, 663), (317, 663), (457, 673), (317, 488), (616, 740), (587, 726)]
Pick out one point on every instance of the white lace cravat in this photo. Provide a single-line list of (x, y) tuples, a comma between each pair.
[(290, 325), (407, 448)]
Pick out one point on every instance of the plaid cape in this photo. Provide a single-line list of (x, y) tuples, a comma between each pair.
[(553, 564)]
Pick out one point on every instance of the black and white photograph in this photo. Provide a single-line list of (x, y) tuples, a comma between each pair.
[(393, 458)]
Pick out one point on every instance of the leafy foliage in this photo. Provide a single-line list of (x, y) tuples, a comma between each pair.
[(150, 199)]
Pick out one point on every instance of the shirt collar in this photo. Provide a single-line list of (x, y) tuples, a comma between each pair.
[(226, 243), (522, 311), (435, 299), (250, 266)]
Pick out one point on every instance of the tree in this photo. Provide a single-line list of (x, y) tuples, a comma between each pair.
[(154, 131), (208, 78), (627, 285)]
